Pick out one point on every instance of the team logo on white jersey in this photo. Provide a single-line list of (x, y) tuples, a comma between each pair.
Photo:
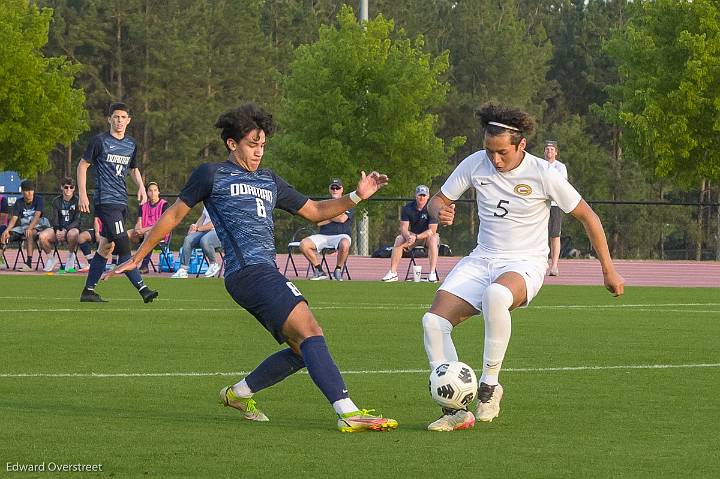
[(522, 189)]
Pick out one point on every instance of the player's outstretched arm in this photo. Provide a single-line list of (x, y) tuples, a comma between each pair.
[(593, 228), (368, 185), (442, 209), (167, 222)]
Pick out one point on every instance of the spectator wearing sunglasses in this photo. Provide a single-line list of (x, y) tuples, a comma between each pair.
[(334, 233), (65, 221)]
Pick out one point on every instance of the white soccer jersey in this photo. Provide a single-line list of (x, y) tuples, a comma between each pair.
[(560, 168), (513, 207)]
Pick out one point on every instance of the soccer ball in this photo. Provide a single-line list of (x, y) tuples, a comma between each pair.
[(453, 385)]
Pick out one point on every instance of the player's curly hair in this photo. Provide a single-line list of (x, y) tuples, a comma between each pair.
[(506, 115), (247, 117)]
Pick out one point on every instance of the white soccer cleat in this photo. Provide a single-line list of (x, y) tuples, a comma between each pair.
[(432, 277), (181, 273), (453, 420), (390, 277), (49, 265), (212, 270), (488, 406)]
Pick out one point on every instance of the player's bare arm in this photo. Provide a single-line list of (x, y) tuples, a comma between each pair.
[(137, 178), (442, 209), (83, 201), (167, 222), (317, 211), (30, 231), (593, 228)]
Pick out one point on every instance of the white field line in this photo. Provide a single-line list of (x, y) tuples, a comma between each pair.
[(370, 372), (420, 307), (333, 305)]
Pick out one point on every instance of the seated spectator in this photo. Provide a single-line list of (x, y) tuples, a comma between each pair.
[(148, 214), (416, 229), (3, 213), (202, 233), (65, 222), (3, 220), (334, 233), (26, 221)]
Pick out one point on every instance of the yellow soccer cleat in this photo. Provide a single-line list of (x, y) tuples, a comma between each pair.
[(246, 405), (362, 420)]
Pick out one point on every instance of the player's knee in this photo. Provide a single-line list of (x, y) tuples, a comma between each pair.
[(497, 295), (344, 246), (399, 240), (434, 322)]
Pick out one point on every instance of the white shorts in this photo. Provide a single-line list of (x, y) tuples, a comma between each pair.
[(328, 241), (469, 278)]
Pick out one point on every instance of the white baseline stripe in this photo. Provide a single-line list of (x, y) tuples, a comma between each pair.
[(332, 305), (376, 371), (315, 308)]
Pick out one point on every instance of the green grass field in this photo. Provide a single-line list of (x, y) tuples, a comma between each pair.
[(594, 386)]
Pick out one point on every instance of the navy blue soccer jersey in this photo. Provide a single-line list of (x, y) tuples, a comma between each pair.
[(419, 220), (335, 228), (25, 212), (111, 158), (240, 204)]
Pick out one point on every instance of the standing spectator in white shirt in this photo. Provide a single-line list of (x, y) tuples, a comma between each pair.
[(556, 214)]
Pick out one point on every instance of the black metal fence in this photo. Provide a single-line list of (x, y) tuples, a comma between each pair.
[(635, 229)]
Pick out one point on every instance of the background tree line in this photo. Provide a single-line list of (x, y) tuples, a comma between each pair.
[(629, 89)]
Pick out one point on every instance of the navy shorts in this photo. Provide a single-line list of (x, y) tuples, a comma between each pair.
[(266, 294), (555, 222), (112, 220)]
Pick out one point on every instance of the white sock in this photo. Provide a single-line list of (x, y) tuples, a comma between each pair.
[(70, 263), (438, 340), (344, 406), (242, 389), (496, 304)]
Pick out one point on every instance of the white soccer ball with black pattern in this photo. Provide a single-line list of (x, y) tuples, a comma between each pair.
[(453, 385)]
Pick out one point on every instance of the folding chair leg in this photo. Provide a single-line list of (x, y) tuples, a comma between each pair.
[(202, 262), (323, 262), (410, 265), (20, 254), (288, 261), (57, 253)]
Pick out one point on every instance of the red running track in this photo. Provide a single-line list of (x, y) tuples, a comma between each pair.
[(572, 272)]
